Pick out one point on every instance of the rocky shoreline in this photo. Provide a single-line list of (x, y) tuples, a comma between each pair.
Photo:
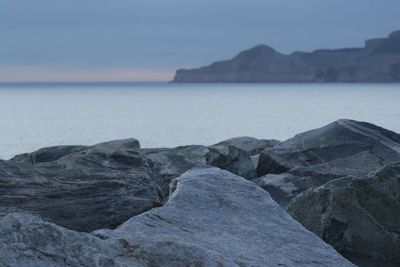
[(326, 197)]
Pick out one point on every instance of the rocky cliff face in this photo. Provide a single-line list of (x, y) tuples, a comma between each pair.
[(378, 61)]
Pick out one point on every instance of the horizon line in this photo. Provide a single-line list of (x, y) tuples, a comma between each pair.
[(39, 83), (47, 74)]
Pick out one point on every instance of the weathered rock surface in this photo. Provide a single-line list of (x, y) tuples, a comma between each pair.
[(213, 218), (90, 187), (285, 186), (378, 61), (29, 241), (251, 145), (170, 163), (358, 216), (311, 159), (53, 153), (95, 188)]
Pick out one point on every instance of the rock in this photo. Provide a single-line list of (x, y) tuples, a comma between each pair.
[(342, 148), (129, 143), (285, 186), (251, 145), (213, 218), (48, 154), (101, 186), (170, 163), (231, 159), (53, 153), (378, 61), (359, 216), (92, 189), (28, 241)]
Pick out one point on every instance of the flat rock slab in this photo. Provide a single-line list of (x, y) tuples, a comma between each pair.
[(360, 217), (213, 218)]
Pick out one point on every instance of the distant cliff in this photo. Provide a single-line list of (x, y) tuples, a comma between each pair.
[(378, 61)]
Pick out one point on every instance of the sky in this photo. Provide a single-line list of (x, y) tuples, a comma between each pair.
[(135, 40)]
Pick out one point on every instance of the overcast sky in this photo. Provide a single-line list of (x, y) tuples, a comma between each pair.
[(149, 39)]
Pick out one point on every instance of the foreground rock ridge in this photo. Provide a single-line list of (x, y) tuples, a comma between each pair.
[(117, 204), (206, 222), (378, 61)]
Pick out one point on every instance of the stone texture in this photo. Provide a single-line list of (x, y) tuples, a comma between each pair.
[(359, 216), (285, 186), (213, 218), (311, 159), (48, 154), (96, 188), (29, 241), (53, 153), (378, 61), (101, 186), (251, 145), (170, 163)]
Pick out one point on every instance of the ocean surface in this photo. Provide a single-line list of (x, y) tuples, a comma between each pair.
[(167, 115)]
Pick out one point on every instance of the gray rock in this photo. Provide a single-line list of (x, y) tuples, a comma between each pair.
[(129, 143), (213, 218), (358, 216), (101, 186), (255, 159), (29, 241), (53, 153), (330, 149), (170, 163), (378, 61), (231, 159), (92, 189), (342, 148), (251, 145), (48, 154), (285, 186)]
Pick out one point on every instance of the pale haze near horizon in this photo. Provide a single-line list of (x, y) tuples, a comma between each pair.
[(122, 40)]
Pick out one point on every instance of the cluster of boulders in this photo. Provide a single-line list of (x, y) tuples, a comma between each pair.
[(116, 204), (341, 182)]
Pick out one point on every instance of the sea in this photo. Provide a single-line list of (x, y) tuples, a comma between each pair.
[(35, 115)]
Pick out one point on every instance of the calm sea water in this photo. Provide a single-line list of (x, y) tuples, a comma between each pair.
[(166, 115)]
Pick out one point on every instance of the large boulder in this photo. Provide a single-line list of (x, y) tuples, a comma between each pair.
[(95, 188), (53, 153), (311, 159), (358, 216), (170, 163), (213, 218)]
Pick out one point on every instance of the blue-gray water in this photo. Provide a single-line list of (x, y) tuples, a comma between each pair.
[(163, 115)]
